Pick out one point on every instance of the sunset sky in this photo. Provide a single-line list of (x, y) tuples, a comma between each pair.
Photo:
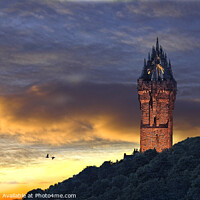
[(68, 73)]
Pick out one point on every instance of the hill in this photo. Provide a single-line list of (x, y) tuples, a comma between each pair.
[(173, 174)]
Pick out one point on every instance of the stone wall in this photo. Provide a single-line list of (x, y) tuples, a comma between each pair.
[(156, 104)]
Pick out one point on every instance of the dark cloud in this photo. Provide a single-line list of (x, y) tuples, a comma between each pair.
[(187, 114), (44, 41)]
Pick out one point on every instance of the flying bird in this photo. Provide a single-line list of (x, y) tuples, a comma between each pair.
[(47, 156)]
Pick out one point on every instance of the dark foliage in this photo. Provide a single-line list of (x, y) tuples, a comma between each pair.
[(173, 174)]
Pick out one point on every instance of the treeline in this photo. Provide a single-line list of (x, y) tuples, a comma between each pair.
[(173, 174)]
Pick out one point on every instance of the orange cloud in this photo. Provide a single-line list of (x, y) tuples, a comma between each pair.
[(59, 114), (64, 114)]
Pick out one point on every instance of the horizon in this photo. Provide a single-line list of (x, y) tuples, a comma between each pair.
[(68, 82)]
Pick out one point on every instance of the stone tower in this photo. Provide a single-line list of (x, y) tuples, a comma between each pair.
[(156, 92)]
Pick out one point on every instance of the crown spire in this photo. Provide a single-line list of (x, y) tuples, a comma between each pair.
[(169, 63), (144, 71), (145, 62), (157, 67), (157, 44)]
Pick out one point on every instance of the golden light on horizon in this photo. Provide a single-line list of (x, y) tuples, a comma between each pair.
[(47, 172)]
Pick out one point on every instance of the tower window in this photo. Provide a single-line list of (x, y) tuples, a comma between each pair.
[(155, 120)]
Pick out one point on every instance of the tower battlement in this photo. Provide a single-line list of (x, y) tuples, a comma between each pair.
[(156, 93), (167, 85)]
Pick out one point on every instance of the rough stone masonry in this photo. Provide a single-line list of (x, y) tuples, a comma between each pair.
[(157, 93)]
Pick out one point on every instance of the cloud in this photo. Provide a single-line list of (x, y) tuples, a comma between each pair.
[(157, 8), (61, 114), (66, 113), (98, 42), (15, 154), (11, 182)]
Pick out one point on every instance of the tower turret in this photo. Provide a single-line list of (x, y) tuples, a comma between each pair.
[(156, 92), (157, 45)]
